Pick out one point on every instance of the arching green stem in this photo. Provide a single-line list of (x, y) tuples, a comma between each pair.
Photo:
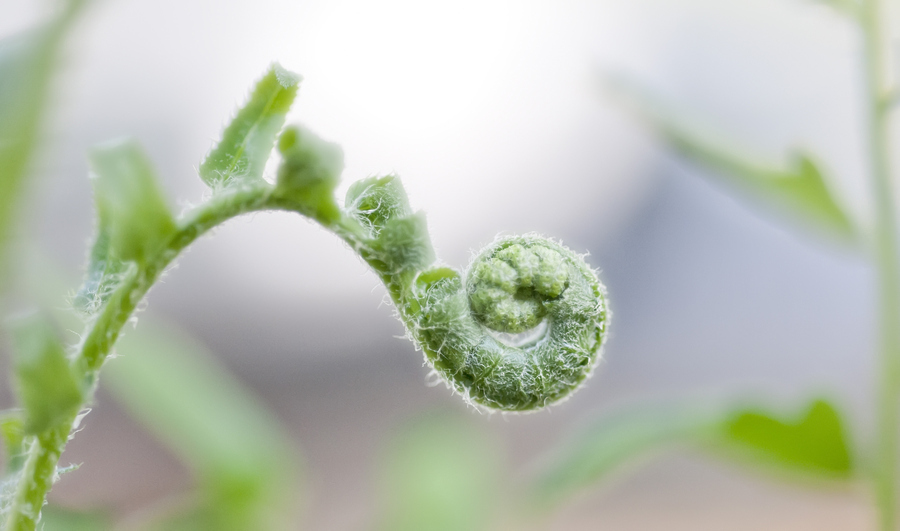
[(513, 285)]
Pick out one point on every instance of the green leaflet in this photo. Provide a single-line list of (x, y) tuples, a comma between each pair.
[(405, 244), (813, 442), (245, 463), (376, 200), (27, 62), (45, 383), (398, 237), (812, 446), (439, 474), (242, 153), (309, 172), (131, 208), (799, 189)]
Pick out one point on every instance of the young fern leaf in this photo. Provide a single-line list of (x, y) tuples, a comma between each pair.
[(133, 220), (309, 173), (131, 208), (800, 189), (45, 384), (51, 395), (247, 142)]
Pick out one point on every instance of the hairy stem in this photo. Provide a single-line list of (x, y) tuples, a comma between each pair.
[(37, 477), (45, 449), (886, 260), (104, 331)]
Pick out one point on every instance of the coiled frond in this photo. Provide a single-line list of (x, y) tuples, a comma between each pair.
[(515, 285)]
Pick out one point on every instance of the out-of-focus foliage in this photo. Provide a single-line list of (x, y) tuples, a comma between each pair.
[(439, 474), (247, 470), (811, 447), (800, 189), (618, 439), (27, 62), (45, 384), (132, 209), (814, 442)]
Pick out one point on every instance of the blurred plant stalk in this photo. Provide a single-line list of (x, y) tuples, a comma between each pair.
[(27, 66), (873, 15)]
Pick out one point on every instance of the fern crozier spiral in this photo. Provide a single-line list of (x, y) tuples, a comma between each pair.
[(514, 285)]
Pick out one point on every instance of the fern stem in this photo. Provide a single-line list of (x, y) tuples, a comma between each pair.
[(37, 477), (104, 331)]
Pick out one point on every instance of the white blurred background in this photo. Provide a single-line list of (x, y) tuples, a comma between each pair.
[(491, 113)]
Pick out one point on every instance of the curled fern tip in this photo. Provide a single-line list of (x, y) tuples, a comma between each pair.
[(521, 331)]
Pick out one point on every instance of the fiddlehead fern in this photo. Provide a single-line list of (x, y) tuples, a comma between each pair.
[(514, 285)]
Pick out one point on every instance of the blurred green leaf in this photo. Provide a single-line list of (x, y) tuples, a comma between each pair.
[(440, 474), (814, 442), (45, 383), (799, 189), (27, 62), (619, 439), (56, 519), (248, 140), (247, 468), (131, 207)]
